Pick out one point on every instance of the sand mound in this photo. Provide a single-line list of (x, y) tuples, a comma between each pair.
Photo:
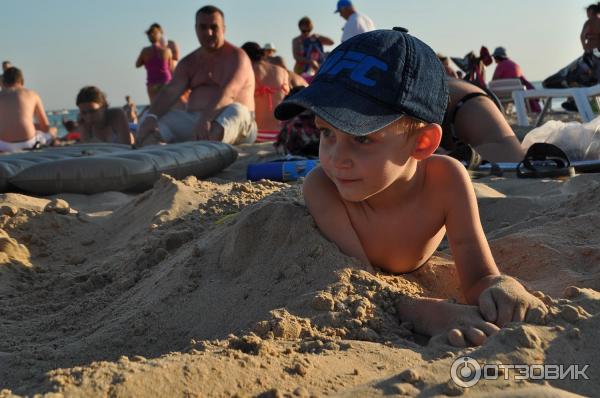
[(217, 288)]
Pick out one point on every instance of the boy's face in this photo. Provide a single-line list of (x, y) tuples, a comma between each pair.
[(361, 167)]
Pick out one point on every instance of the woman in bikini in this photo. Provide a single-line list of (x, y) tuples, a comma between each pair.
[(272, 85), (473, 118), (98, 122), (158, 61), (308, 49)]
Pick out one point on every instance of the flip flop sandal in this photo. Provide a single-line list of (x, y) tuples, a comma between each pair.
[(472, 160), (544, 160), (492, 169)]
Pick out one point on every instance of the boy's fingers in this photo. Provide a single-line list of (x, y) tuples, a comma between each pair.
[(505, 311), (487, 306), (475, 336), (519, 312), (536, 315), (456, 338), (489, 328)]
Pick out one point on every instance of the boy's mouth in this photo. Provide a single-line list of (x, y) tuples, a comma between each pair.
[(347, 180)]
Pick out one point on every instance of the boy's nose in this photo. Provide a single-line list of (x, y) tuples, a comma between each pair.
[(339, 156)]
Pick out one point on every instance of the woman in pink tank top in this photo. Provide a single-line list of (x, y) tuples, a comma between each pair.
[(157, 60)]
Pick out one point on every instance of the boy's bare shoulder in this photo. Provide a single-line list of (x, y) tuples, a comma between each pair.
[(443, 171), (319, 191)]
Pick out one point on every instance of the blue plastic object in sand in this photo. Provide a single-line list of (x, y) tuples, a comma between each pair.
[(287, 170)]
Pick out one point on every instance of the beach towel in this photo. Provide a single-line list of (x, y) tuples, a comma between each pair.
[(579, 73)]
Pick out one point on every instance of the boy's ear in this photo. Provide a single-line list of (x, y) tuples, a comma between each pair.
[(428, 140)]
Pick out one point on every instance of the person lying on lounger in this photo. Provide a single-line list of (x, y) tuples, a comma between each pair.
[(473, 118), (383, 196)]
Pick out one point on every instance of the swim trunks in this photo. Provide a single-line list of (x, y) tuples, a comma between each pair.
[(237, 122), (40, 137)]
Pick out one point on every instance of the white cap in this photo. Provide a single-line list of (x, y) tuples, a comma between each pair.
[(269, 46)]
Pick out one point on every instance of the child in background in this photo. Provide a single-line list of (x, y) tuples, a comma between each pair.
[(72, 130)]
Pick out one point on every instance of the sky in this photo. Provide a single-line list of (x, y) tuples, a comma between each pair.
[(63, 45)]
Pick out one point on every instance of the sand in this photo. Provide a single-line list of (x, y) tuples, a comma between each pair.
[(227, 288)]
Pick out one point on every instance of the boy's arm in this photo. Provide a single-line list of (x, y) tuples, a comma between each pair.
[(469, 246), (328, 210), (501, 299)]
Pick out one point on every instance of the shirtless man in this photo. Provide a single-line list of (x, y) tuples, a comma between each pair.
[(590, 38), (221, 102), (590, 34), (18, 107)]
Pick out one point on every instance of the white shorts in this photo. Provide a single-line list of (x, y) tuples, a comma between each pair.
[(40, 136), (237, 122)]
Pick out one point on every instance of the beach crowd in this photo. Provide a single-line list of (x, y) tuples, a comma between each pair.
[(383, 107), (227, 93)]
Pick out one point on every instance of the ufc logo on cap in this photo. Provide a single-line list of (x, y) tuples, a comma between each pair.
[(360, 64)]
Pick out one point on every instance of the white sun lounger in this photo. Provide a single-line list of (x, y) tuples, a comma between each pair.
[(503, 89), (579, 94)]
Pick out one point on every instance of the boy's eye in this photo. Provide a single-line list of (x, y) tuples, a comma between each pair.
[(362, 139), (325, 132)]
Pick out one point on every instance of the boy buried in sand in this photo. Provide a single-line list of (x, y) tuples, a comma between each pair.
[(383, 197)]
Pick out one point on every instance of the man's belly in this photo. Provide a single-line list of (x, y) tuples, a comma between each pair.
[(203, 96)]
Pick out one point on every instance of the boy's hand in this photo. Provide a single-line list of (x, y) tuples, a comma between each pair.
[(505, 300)]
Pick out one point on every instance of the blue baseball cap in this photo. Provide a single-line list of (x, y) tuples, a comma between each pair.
[(341, 4), (371, 80)]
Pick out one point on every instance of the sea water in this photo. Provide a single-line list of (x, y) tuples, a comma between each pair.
[(55, 118)]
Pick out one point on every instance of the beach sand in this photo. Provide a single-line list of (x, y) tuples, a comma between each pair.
[(226, 288)]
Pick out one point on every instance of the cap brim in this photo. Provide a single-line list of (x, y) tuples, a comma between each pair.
[(345, 110)]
